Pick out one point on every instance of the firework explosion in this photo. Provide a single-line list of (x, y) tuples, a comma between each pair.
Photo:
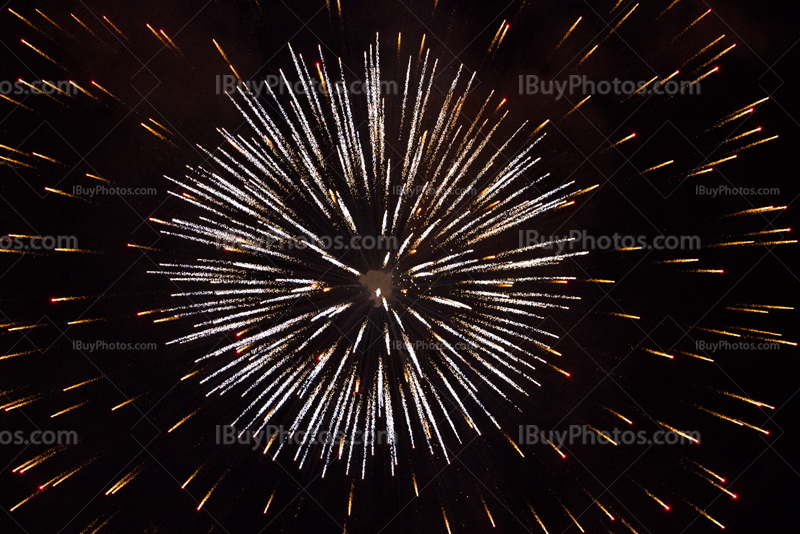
[(351, 293), (304, 322)]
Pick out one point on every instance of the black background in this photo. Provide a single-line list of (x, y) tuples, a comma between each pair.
[(180, 92)]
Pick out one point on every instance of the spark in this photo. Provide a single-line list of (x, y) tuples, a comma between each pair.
[(665, 80), (350, 501), (709, 73), (713, 59), (85, 27), (61, 478), (732, 420), (179, 423), (27, 327), (539, 520), (183, 486), (170, 41), (79, 384), (579, 104), (749, 107), (709, 45), (51, 160), (540, 127), (619, 415), (152, 131), (161, 126), (82, 90), (699, 172), (628, 14), (571, 517), (158, 36), (757, 331), (704, 514), (20, 104), (681, 434), (694, 356), (488, 513), (726, 120), (56, 88), (555, 448), (659, 501), (602, 435), (628, 138), (67, 299), (584, 58), (9, 356), (56, 191), (189, 375), (38, 459), (770, 307), (15, 162), (20, 402), (709, 472), (269, 502), (698, 19), (717, 162), (723, 489), (569, 31), (731, 244), (115, 28), (69, 409), (502, 36), (611, 517), (670, 6), (13, 150), (124, 481), (514, 445), (658, 353), (142, 247), (106, 91), (29, 498), (496, 36), (755, 144), (660, 165), (211, 491), (118, 406), (48, 58), (26, 21)]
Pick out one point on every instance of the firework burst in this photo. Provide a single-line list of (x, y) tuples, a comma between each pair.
[(414, 309), (346, 279)]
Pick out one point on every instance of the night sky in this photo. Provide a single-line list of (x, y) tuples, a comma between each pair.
[(174, 93)]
